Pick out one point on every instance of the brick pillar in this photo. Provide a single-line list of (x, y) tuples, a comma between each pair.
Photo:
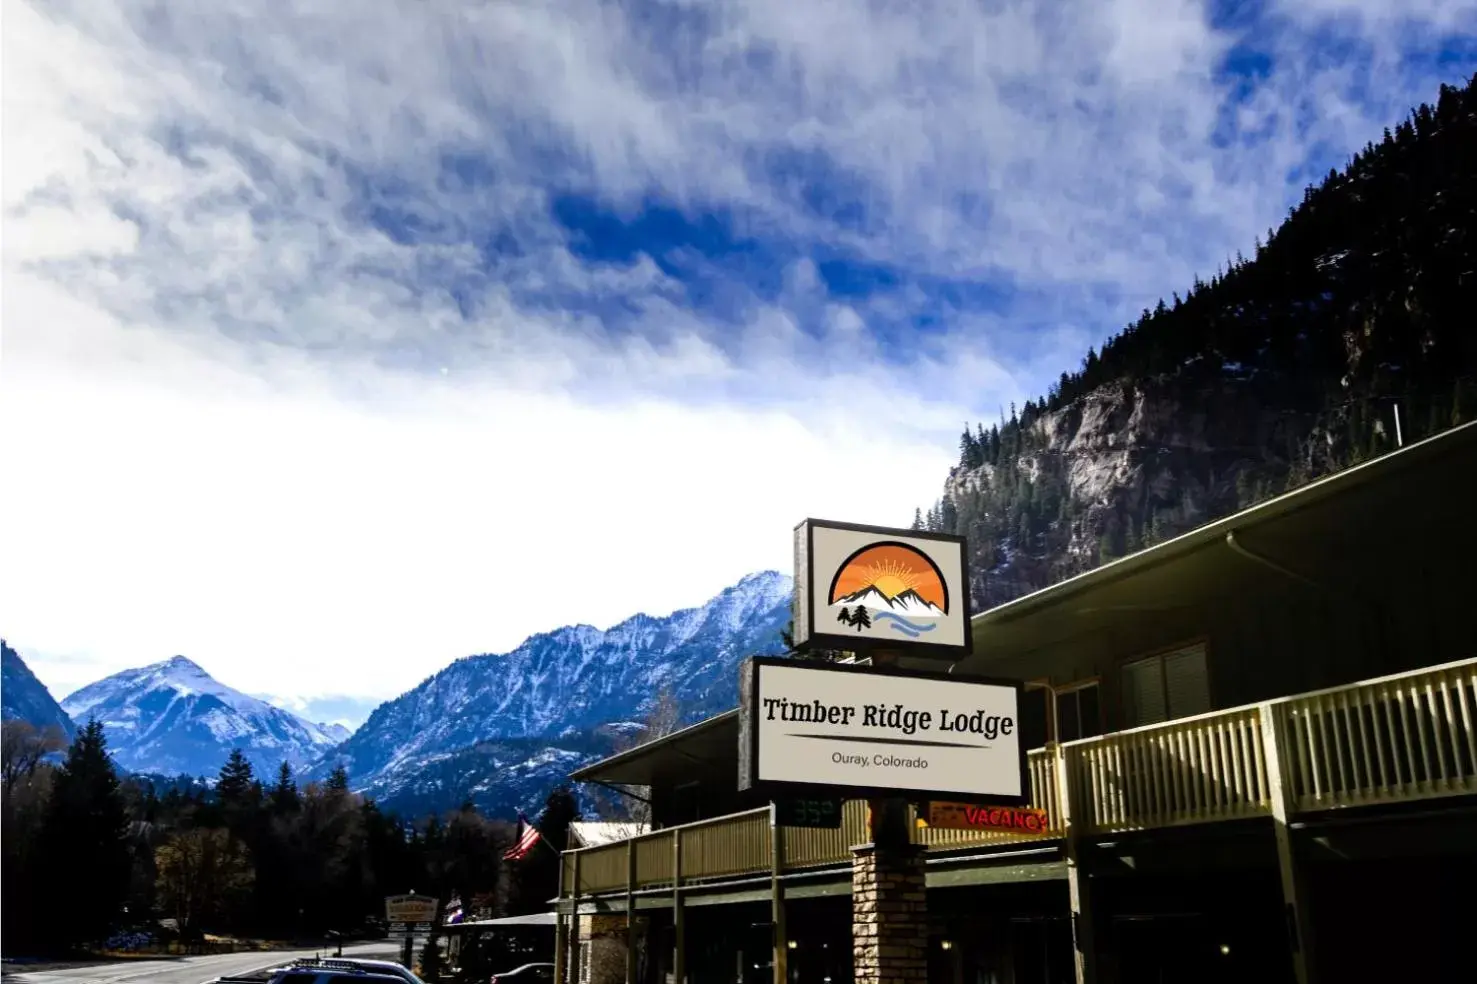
[(889, 916), (602, 939)]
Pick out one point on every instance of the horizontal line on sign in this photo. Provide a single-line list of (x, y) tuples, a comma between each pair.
[(889, 741)]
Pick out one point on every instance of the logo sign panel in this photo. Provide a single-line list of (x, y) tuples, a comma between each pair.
[(966, 816), (827, 729), (859, 588), (410, 909)]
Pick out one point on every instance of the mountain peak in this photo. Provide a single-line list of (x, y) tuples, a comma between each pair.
[(174, 717), (573, 681)]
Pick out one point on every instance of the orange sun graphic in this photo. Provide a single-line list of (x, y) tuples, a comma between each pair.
[(893, 569)]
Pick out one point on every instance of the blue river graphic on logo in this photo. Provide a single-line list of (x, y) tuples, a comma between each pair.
[(899, 624)]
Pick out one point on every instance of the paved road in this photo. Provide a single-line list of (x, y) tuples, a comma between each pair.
[(181, 970)]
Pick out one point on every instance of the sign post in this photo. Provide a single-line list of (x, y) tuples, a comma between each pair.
[(814, 731), (410, 918)]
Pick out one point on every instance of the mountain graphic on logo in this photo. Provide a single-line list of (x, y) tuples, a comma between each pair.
[(908, 602), (889, 577)]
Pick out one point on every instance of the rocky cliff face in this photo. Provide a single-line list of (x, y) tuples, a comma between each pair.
[(1277, 370)]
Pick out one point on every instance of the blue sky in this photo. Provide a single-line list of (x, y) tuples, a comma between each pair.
[(327, 325)]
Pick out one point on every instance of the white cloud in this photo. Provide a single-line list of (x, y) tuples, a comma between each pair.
[(243, 424), (160, 501)]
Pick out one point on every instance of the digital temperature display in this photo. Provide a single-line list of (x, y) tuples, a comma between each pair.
[(819, 813)]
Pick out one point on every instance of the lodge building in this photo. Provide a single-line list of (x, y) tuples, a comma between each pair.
[(1255, 745)]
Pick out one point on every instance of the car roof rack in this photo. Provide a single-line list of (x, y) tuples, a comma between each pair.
[(331, 963)]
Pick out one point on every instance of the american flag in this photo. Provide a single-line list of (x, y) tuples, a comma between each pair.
[(528, 836)]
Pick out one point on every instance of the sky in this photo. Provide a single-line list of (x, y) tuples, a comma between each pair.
[(342, 340)]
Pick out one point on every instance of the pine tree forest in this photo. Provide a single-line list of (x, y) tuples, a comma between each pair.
[(255, 857)]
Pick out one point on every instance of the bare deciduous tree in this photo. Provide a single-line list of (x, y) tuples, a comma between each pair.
[(22, 749), (630, 803)]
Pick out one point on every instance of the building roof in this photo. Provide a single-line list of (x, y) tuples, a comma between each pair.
[(710, 742), (1381, 508), (1377, 513), (592, 834), (533, 919)]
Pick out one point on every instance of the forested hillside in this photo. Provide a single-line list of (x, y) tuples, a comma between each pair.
[(1350, 328)]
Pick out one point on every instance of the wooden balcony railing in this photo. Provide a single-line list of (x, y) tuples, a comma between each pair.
[(1194, 770), (1404, 737)]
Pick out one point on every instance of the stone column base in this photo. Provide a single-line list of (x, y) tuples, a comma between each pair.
[(889, 922)]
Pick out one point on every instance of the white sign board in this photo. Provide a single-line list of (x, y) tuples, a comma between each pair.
[(865, 587), (410, 909), (868, 731)]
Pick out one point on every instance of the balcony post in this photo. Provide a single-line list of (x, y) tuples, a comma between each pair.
[(561, 926), (679, 930), (1294, 885), (631, 911), (1079, 889), (781, 961)]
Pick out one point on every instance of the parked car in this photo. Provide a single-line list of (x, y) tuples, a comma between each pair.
[(334, 970), (357, 967), (532, 973)]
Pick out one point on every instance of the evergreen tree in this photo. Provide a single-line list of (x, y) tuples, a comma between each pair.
[(89, 860), (236, 777), (338, 779), (284, 794)]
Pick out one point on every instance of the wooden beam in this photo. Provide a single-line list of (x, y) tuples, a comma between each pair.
[(1079, 893), (1294, 886), (631, 912), (777, 896), (997, 874), (679, 929), (577, 950), (561, 927)]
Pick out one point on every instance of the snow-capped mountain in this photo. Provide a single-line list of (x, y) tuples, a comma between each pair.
[(908, 602), (173, 717), (501, 778), (561, 685), (25, 698)]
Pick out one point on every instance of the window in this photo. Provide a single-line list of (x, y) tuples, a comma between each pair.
[(298, 977), (1077, 713), (1035, 728), (1165, 687)]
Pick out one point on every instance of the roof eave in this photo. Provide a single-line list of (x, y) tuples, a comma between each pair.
[(1215, 531)]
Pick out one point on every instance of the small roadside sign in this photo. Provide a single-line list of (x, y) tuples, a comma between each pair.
[(410, 909)]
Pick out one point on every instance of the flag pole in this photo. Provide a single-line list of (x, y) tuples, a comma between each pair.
[(542, 839)]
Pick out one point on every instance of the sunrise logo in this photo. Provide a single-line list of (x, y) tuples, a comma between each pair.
[(889, 584)]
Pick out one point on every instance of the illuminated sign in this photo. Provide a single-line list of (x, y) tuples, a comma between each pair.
[(966, 816)]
